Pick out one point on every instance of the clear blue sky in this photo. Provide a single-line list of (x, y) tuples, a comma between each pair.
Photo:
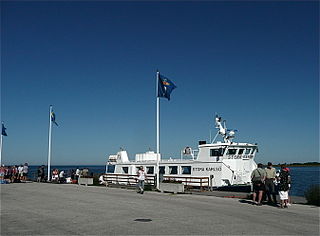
[(254, 63)]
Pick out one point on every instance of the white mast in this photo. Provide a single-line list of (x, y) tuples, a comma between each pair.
[(158, 129), (49, 146), (1, 149), (3, 132), (223, 131)]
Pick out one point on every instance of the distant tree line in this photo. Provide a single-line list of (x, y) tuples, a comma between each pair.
[(300, 164)]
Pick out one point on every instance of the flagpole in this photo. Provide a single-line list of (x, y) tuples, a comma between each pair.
[(1, 149), (158, 130), (49, 146)]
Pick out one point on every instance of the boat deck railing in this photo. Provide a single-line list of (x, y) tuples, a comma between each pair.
[(126, 179), (190, 183)]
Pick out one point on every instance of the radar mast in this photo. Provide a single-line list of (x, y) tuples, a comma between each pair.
[(227, 134)]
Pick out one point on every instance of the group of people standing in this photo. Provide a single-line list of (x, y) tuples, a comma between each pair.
[(20, 173), (268, 182), (58, 176), (70, 177), (13, 174)]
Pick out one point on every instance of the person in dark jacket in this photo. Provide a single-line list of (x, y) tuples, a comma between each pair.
[(284, 185)]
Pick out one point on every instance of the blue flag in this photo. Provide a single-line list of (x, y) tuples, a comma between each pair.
[(165, 87), (3, 132), (53, 118)]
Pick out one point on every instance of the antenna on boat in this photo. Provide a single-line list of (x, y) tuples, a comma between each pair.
[(217, 126), (227, 134)]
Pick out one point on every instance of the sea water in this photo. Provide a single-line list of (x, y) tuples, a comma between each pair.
[(302, 177)]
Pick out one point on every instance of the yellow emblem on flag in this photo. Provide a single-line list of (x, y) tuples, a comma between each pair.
[(165, 83)]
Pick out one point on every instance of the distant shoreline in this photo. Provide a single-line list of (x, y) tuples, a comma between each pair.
[(308, 164)]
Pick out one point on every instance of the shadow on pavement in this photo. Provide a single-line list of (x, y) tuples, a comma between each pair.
[(247, 202)]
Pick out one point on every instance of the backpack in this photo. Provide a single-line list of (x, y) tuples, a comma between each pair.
[(257, 178)]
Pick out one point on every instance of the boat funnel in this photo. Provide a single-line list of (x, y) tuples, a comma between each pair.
[(202, 142)]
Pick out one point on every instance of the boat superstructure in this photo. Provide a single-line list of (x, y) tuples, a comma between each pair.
[(225, 162)]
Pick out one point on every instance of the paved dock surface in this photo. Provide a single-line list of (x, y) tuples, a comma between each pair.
[(53, 209), (243, 195)]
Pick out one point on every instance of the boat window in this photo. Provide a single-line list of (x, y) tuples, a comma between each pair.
[(161, 170), (173, 170), (216, 152), (110, 168), (240, 151), (150, 170), (248, 150), (253, 150), (186, 170), (125, 170), (231, 151)]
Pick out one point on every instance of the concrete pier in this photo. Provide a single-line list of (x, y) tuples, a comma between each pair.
[(53, 209)]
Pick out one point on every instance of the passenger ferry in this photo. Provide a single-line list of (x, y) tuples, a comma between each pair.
[(225, 163)]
